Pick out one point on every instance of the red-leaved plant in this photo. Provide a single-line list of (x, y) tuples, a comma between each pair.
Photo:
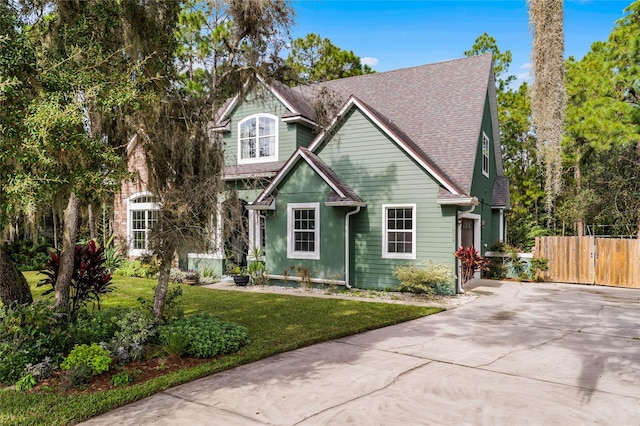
[(470, 262), (90, 279)]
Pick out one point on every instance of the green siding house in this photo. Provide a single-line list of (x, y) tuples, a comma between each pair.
[(408, 169)]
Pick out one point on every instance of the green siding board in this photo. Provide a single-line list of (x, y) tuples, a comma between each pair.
[(377, 170), (267, 104), (482, 186), (303, 185)]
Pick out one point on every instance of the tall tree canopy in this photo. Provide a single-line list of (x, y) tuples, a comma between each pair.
[(315, 59)]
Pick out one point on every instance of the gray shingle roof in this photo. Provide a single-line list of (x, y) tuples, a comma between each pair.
[(349, 194), (501, 193), (436, 108)]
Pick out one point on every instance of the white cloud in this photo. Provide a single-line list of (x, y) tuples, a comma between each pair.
[(372, 62)]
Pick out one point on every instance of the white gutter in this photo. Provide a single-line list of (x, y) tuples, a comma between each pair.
[(346, 245)]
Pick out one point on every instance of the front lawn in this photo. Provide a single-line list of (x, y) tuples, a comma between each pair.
[(276, 323)]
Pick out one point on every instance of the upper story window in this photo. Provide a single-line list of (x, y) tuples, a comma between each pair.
[(399, 231), (485, 154), (258, 139), (142, 215)]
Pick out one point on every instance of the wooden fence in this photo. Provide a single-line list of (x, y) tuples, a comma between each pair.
[(589, 260)]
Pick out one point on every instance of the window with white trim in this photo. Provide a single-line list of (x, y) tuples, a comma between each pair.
[(399, 231), (258, 139), (142, 215), (485, 154), (303, 231)]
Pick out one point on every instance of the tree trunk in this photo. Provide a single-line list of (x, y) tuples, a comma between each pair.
[(13, 285), (92, 222), (67, 254), (163, 282)]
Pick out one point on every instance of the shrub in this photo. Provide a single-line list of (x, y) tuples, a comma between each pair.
[(26, 383), (175, 344), (122, 379), (135, 329), (29, 334), (137, 269), (29, 255), (40, 371), (207, 336), (429, 277), (94, 357), (471, 262), (95, 326), (172, 308), (113, 256), (90, 279)]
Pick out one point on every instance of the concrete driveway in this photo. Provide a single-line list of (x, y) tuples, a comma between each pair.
[(521, 354)]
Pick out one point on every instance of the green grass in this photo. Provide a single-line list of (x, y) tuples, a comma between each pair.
[(276, 323)]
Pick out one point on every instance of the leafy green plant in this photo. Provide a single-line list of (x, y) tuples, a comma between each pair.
[(471, 262), (113, 255), (26, 382), (174, 344), (95, 326), (136, 268), (207, 337), (28, 334), (172, 307), (427, 277), (539, 265), (41, 370), (94, 357), (90, 280), (135, 329), (29, 255), (209, 275), (123, 378)]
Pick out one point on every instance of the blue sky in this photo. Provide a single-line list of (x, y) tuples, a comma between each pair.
[(399, 34)]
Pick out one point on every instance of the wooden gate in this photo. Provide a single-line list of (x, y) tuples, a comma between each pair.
[(588, 260)]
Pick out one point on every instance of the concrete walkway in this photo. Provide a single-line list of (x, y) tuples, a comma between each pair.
[(521, 354)]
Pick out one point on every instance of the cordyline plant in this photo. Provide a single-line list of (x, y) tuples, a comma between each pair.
[(471, 262), (90, 278)]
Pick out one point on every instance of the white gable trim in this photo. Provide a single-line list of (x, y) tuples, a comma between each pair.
[(285, 171), (353, 101), (236, 100), (495, 130)]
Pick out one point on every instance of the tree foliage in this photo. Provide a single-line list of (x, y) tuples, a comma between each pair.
[(314, 59)]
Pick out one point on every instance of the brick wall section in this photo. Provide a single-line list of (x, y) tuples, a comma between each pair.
[(138, 183)]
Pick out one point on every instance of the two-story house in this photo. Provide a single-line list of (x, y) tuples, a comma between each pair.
[(408, 169)]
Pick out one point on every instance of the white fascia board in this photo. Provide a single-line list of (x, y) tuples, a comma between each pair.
[(345, 204), (322, 175), (300, 119), (231, 106), (469, 201), (271, 206), (353, 101), (249, 176)]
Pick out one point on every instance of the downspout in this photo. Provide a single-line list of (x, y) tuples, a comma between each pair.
[(346, 245)]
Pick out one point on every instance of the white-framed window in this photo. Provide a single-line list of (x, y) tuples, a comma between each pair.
[(485, 154), (258, 139), (399, 231), (303, 231), (142, 214)]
